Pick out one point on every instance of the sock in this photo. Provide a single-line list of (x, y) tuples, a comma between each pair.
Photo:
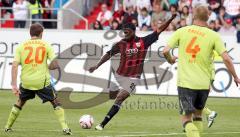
[(59, 111), (113, 111), (191, 129), (13, 116), (207, 111), (198, 123)]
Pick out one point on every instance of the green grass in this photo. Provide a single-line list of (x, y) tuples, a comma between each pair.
[(146, 118)]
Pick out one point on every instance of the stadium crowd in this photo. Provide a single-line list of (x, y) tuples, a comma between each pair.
[(21, 8), (148, 14), (145, 14)]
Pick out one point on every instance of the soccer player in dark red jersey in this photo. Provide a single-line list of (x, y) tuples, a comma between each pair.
[(133, 50)]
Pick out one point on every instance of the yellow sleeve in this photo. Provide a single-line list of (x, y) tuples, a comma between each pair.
[(217, 57), (50, 53), (174, 40), (219, 45), (17, 56)]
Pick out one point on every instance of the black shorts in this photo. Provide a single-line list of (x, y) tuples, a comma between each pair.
[(191, 100), (46, 94)]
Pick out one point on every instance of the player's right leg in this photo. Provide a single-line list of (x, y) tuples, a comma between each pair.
[(15, 111), (123, 95), (59, 112)]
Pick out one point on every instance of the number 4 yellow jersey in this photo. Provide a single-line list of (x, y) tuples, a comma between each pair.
[(195, 55), (33, 56)]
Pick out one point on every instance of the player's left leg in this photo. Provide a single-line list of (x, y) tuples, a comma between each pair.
[(186, 99), (123, 95), (59, 112), (211, 115), (48, 94)]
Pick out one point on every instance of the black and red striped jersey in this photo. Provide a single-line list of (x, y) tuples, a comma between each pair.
[(133, 53)]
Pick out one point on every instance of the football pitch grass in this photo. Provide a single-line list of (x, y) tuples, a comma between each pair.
[(140, 116)]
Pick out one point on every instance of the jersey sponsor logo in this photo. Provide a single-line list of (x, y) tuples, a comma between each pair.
[(130, 52)]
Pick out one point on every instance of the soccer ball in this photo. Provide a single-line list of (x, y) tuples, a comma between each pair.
[(86, 121)]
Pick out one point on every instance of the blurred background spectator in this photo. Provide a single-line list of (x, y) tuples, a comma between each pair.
[(118, 15), (214, 5), (232, 8), (129, 3), (20, 13), (212, 15), (143, 4), (135, 22), (115, 25), (198, 2), (185, 14), (36, 10), (97, 25), (157, 14), (227, 26), (144, 20), (173, 10), (104, 16), (47, 14), (129, 15), (238, 28), (7, 4), (181, 4)]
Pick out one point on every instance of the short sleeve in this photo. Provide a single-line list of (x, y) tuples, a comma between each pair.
[(114, 50), (50, 53), (150, 39), (174, 40), (219, 45), (17, 56)]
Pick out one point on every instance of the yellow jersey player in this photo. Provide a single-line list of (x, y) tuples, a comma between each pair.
[(33, 55), (196, 44)]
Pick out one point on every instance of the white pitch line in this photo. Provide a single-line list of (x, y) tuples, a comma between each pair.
[(173, 134), (169, 134), (79, 131), (126, 134)]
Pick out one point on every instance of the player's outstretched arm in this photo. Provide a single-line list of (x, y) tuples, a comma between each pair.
[(53, 65), (14, 78), (167, 55), (228, 63), (104, 58), (165, 24)]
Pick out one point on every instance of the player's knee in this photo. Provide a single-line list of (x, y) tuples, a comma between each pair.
[(20, 103), (120, 99), (187, 117), (197, 113), (55, 103), (18, 106)]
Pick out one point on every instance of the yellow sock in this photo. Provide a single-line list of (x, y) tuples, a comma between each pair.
[(59, 111), (207, 111), (13, 116), (199, 124), (191, 130)]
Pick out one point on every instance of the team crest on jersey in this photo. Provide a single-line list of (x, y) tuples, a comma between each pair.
[(138, 44)]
